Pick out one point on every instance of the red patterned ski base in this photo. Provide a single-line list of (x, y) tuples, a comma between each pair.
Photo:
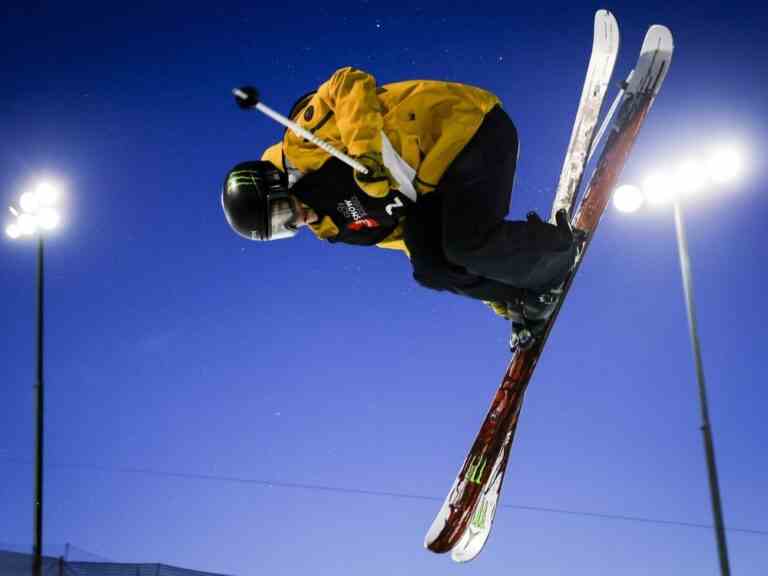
[(488, 456), (464, 522)]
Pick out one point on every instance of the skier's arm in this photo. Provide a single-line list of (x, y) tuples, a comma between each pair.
[(351, 94)]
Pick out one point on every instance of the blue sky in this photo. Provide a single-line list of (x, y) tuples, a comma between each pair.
[(187, 369)]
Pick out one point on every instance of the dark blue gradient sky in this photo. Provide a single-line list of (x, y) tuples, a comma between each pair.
[(177, 348)]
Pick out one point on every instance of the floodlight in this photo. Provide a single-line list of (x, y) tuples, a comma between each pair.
[(659, 188), (691, 176), (48, 218), (29, 202), (628, 198), (36, 210), (13, 231), (726, 164), (27, 224), (47, 193)]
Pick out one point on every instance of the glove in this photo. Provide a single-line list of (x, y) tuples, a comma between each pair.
[(378, 181)]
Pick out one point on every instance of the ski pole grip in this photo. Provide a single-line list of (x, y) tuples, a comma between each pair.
[(247, 97)]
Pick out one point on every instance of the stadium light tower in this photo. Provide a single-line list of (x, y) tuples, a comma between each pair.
[(693, 176), (35, 216)]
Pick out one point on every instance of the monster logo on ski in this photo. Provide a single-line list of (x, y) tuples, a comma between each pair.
[(475, 473), (478, 520), (464, 522)]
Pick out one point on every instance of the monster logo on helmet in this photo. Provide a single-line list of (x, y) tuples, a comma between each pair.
[(256, 202)]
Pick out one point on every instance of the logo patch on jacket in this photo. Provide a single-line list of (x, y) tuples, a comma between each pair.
[(351, 209)]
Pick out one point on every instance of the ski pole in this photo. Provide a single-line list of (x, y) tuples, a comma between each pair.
[(247, 97)]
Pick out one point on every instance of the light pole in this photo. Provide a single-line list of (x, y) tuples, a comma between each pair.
[(724, 165), (706, 428), (35, 216)]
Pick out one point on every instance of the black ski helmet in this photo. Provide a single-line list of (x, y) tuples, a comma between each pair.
[(256, 202)]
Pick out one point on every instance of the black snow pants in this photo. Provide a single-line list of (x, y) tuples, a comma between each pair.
[(458, 237)]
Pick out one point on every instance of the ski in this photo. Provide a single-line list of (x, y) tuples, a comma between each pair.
[(605, 49), (605, 46), (464, 522)]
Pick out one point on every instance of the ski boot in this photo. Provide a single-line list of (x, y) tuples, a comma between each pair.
[(579, 236), (530, 312), (568, 233), (529, 315)]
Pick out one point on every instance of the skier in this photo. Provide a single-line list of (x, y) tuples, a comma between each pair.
[(441, 162)]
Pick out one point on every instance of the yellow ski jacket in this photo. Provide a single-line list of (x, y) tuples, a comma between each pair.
[(428, 123)]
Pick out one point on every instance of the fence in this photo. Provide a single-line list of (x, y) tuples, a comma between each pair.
[(19, 564)]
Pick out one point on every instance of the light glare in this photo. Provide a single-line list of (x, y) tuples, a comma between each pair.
[(726, 165), (692, 176), (27, 224), (36, 211), (48, 219), (658, 188), (47, 193), (12, 231), (29, 202), (627, 198)]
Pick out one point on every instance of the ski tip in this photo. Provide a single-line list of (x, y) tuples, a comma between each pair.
[(428, 539), (470, 545), (658, 38), (659, 29), (460, 558), (606, 35), (653, 63), (431, 539), (433, 547), (604, 14)]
